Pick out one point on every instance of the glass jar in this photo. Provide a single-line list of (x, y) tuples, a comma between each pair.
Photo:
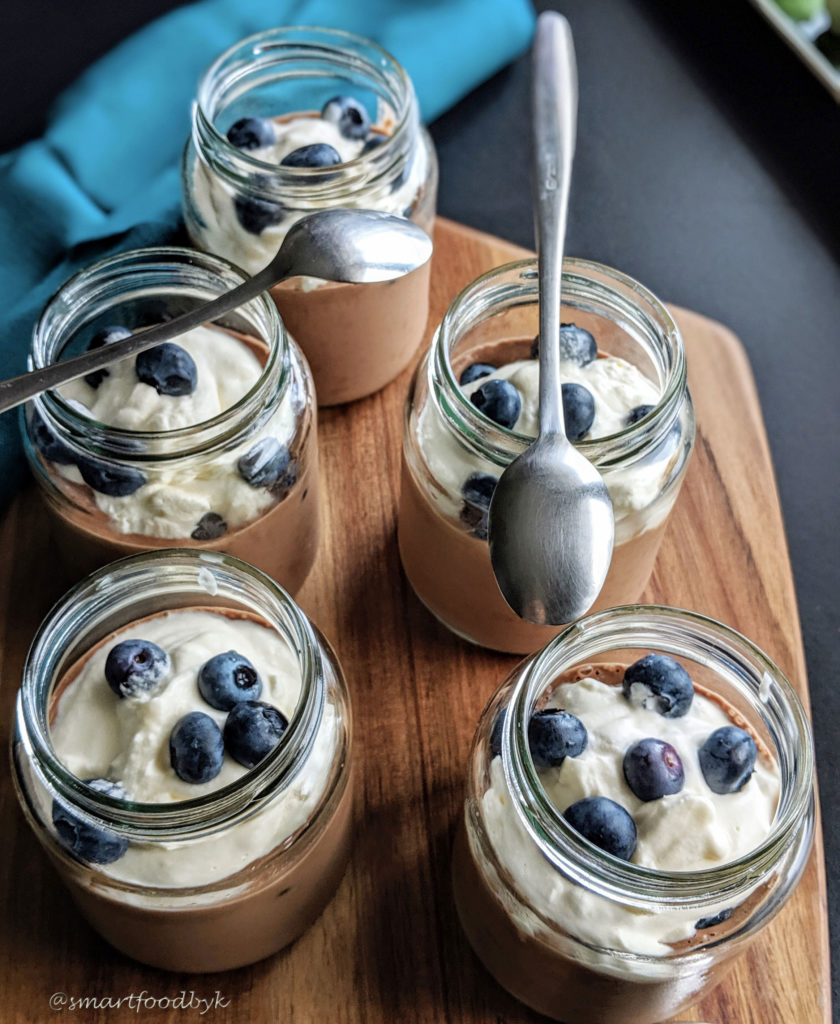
[(113, 492), (447, 440), (160, 886), (582, 935), (240, 202)]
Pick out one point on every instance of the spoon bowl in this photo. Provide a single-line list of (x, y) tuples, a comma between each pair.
[(551, 525), (352, 246)]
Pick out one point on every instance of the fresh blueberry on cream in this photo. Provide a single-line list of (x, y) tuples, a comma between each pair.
[(251, 133), (499, 401), (605, 823), (135, 667), (660, 684), (578, 410), (107, 336), (554, 735), (318, 154), (228, 678), (349, 115), (85, 841), (252, 730), (727, 759), (653, 769), (196, 748), (168, 368)]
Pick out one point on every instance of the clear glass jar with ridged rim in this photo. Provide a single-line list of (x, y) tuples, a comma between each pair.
[(232, 875), (584, 936), (114, 490), (240, 202), (447, 442)]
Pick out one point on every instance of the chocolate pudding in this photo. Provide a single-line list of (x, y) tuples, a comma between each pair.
[(446, 490), (258, 161), (254, 496), (251, 886), (563, 949)]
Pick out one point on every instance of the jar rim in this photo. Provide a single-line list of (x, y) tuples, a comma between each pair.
[(516, 283), (178, 571), (88, 285), (683, 633), (305, 183)]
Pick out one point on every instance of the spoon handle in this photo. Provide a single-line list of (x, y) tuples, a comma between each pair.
[(19, 389), (554, 105)]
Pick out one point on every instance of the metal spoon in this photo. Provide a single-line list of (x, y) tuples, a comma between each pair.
[(551, 522), (359, 246)]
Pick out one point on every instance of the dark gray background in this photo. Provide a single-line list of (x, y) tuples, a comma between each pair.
[(708, 166)]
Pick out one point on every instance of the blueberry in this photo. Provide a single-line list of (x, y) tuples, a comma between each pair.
[(106, 336), (349, 115), (265, 463), (727, 759), (660, 684), (712, 922), (87, 842), (252, 133), (373, 142), (474, 371), (196, 748), (228, 678), (168, 368), (136, 666), (211, 526), (578, 410), (496, 734), (554, 735), (319, 154), (48, 443), (252, 730), (638, 413), (604, 823), (255, 214), (110, 477), (578, 345), (477, 490), (499, 401), (652, 769)]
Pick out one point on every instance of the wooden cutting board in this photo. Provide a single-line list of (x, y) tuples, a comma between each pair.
[(389, 947)]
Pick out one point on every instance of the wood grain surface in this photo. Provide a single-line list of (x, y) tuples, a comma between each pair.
[(389, 947)]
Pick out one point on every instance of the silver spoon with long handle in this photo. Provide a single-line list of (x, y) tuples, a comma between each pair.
[(357, 246), (551, 522)]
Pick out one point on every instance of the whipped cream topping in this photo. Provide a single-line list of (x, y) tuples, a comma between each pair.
[(616, 386), (180, 492), (695, 829), (221, 231), (97, 734)]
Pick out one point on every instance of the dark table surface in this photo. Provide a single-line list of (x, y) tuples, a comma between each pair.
[(707, 166)]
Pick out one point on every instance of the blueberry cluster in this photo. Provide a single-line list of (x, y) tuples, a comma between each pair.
[(652, 768), (227, 682), (255, 213)]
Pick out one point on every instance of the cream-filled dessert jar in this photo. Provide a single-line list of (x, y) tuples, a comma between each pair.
[(200, 817), (208, 441), (473, 408), (596, 882), (295, 120)]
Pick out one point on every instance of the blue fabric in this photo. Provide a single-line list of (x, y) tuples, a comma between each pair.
[(105, 175)]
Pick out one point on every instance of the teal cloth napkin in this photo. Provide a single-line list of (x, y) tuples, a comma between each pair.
[(105, 175)]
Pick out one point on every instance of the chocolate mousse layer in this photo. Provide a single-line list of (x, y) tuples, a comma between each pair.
[(356, 337)]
